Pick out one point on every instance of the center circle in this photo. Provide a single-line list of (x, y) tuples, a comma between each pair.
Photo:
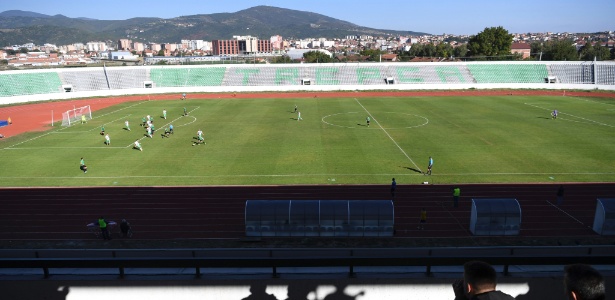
[(355, 120)]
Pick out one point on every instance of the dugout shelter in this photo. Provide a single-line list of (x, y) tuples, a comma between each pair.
[(340, 218), (495, 216), (604, 219)]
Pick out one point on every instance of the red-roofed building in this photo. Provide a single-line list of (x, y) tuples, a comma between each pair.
[(521, 48)]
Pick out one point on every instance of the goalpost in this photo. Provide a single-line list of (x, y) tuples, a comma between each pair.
[(73, 116)]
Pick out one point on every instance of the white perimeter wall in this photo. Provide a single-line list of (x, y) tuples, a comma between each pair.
[(299, 88)]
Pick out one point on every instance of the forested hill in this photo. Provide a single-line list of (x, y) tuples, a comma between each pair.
[(19, 27)]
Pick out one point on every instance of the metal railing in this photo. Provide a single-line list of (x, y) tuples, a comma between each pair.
[(302, 257)]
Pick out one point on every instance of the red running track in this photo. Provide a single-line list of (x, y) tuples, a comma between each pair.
[(218, 212)]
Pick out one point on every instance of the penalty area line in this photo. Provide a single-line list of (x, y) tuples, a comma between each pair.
[(167, 124)]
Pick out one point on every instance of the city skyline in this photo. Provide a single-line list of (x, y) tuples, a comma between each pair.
[(521, 17)]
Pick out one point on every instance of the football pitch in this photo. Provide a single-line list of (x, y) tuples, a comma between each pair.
[(501, 139)]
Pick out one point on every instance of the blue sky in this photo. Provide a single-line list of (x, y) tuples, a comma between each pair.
[(435, 17)]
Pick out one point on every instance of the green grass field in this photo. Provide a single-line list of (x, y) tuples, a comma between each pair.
[(259, 141)]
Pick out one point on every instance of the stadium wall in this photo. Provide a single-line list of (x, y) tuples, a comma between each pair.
[(52, 84)]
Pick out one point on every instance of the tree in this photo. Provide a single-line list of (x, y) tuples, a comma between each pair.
[(161, 52), (374, 55), (416, 50), (429, 50), (461, 50), (589, 52), (317, 57), (444, 50), (559, 50), (23, 50), (284, 59), (536, 49), (492, 43)]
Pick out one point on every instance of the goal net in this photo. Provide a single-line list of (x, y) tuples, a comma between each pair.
[(75, 115)]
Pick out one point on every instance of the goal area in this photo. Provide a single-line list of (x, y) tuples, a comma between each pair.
[(75, 115)]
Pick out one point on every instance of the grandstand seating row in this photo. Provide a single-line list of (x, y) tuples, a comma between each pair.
[(14, 83)]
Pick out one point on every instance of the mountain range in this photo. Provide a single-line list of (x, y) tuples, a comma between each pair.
[(20, 27)]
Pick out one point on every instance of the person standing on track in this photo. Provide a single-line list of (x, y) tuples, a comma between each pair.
[(560, 195), (456, 194), (422, 219), (102, 223), (125, 228), (393, 188)]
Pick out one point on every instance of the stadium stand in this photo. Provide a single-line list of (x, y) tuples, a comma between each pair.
[(86, 81), (126, 79), (349, 76), (26, 83), (573, 73), (508, 73), (606, 74), (186, 77)]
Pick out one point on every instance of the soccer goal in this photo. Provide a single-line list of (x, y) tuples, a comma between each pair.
[(75, 115)]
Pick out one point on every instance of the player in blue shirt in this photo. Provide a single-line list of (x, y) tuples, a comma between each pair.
[(429, 166)]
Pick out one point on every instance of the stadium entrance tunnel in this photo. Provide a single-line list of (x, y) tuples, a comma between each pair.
[(302, 218)]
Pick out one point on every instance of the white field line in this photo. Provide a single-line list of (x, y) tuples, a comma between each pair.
[(188, 122), (384, 130), (56, 131), (34, 138), (592, 101), (127, 107), (37, 148), (589, 121), (272, 175), (97, 127), (165, 125)]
